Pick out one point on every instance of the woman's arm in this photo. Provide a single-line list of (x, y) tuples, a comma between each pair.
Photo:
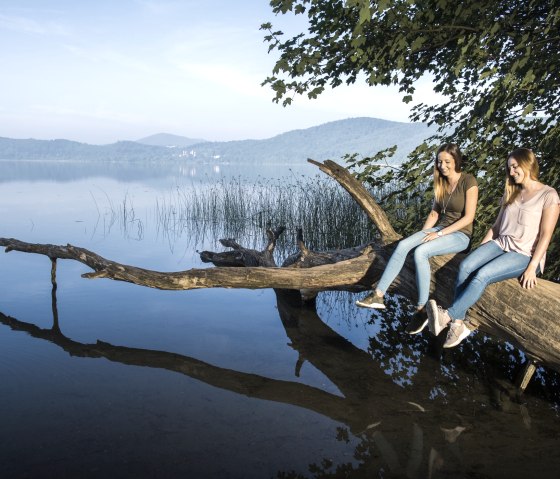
[(471, 198), (431, 220), (495, 228), (548, 222)]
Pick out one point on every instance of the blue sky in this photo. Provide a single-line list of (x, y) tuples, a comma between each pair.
[(108, 70)]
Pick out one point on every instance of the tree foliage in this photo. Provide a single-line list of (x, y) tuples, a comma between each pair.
[(493, 62)]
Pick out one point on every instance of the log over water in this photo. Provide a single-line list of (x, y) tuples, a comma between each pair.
[(529, 319)]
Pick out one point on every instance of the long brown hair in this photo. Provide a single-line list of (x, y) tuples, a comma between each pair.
[(441, 184), (527, 160)]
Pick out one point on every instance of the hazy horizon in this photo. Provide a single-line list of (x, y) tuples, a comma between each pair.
[(192, 137)]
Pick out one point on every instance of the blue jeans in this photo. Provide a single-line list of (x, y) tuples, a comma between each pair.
[(485, 265), (452, 243)]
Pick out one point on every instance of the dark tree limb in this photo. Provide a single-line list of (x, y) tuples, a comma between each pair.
[(241, 256)]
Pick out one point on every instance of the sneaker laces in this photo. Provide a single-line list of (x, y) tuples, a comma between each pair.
[(441, 313)]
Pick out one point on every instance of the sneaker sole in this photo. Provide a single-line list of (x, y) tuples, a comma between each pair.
[(419, 329), (371, 305)]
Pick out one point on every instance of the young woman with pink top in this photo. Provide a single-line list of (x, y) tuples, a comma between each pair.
[(515, 246)]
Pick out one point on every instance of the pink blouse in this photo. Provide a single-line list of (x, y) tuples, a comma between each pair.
[(520, 226)]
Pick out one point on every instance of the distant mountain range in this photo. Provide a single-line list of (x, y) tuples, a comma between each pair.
[(327, 141), (171, 141)]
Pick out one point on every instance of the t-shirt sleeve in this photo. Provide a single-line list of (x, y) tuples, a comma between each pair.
[(551, 198), (470, 181), (436, 207)]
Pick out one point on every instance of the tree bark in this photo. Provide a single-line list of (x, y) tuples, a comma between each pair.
[(528, 319)]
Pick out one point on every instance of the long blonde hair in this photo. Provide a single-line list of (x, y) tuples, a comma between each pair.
[(527, 160), (441, 184)]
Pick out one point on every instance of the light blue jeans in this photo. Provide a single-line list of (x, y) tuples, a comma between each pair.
[(485, 265), (447, 244)]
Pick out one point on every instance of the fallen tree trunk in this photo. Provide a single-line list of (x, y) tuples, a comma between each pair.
[(528, 319)]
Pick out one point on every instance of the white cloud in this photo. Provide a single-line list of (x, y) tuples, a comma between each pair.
[(160, 7), (30, 26), (110, 58), (224, 77)]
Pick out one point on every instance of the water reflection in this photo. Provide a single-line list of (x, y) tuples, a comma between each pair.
[(461, 419)]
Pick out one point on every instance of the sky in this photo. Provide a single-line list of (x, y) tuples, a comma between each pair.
[(108, 70)]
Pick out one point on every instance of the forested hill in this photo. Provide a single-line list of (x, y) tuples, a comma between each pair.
[(166, 139), (328, 141), (11, 149)]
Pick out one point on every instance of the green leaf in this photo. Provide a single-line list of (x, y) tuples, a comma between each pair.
[(528, 109), (365, 13)]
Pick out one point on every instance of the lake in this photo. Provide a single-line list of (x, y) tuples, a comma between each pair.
[(107, 379)]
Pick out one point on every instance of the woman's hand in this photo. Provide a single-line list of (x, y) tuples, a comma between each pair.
[(430, 235), (528, 279)]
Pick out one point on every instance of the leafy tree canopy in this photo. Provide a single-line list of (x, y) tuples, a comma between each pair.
[(495, 63)]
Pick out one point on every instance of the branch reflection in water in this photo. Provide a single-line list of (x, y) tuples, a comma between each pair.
[(423, 419)]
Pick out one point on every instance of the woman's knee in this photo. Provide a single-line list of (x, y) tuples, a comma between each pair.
[(464, 270), (403, 248), (484, 276), (467, 266), (421, 253)]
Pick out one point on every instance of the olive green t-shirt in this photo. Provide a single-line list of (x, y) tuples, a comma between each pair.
[(452, 207)]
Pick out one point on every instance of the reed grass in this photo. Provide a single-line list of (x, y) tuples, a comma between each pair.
[(236, 208)]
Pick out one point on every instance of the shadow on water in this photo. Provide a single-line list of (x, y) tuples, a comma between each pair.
[(411, 411)]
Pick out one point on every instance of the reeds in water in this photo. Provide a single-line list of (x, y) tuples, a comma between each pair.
[(243, 210)]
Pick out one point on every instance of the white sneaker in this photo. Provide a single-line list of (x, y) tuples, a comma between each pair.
[(457, 332), (438, 318)]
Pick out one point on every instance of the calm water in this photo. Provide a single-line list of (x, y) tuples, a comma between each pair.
[(106, 379)]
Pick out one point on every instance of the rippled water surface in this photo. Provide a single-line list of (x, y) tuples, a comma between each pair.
[(107, 379)]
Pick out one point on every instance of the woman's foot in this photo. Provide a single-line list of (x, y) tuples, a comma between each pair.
[(372, 301), (457, 332), (438, 318), (418, 323)]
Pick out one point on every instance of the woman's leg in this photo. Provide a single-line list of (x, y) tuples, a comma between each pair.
[(507, 265), (452, 243), (474, 260), (398, 258)]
